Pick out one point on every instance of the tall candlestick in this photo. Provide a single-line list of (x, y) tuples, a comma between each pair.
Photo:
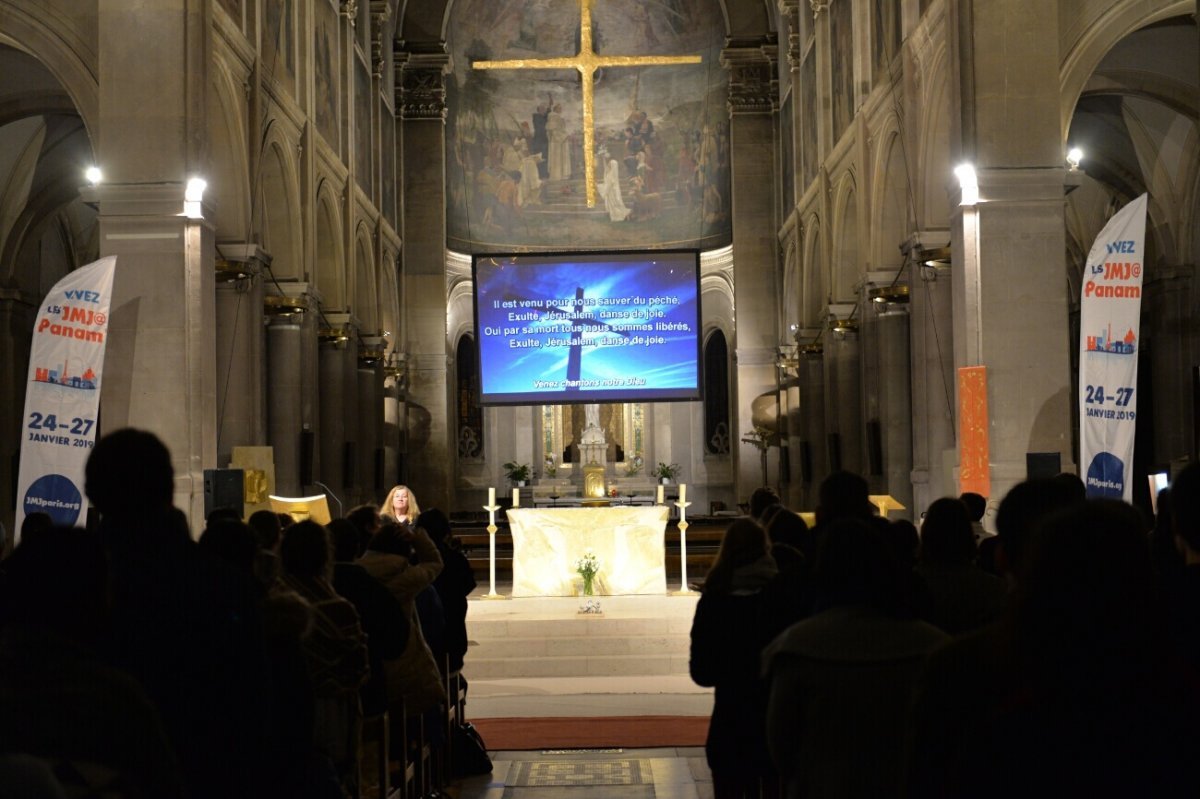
[(659, 496), (516, 497), (682, 492), (491, 496)]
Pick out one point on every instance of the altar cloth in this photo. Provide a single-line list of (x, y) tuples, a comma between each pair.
[(628, 541)]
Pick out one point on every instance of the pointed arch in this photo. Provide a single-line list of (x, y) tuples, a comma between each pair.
[(847, 265), (230, 168), (365, 299), (329, 267), (279, 201)]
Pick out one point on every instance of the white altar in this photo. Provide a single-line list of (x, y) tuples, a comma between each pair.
[(627, 540)]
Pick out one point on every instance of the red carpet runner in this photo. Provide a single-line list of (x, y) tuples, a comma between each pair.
[(596, 732)]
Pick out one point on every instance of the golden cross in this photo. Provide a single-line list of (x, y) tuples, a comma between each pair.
[(587, 61)]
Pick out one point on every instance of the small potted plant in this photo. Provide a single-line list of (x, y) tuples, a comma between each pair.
[(517, 472), (634, 466), (550, 468), (666, 471)]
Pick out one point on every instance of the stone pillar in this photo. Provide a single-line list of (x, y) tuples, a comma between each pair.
[(795, 435), (843, 396), (813, 448), (160, 370), (17, 315), (241, 409), (334, 345), (752, 95), (1009, 246), (284, 347), (368, 429), (931, 326), (370, 414), (351, 473), (421, 98), (1166, 317), (895, 411), (789, 13)]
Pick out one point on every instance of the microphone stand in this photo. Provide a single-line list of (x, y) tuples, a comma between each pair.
[(332, 496)]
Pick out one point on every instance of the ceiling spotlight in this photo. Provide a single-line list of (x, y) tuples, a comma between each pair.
[(93, 175), (1074, 157)]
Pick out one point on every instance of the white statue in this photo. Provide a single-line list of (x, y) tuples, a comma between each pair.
[(591, 415)]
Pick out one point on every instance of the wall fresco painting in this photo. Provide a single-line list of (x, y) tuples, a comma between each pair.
[(841, 35), (279, 43), (326, 57), (514, 136)]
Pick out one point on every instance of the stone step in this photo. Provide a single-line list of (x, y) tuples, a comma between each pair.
[(569, 646), (549, 637), (583, 665)]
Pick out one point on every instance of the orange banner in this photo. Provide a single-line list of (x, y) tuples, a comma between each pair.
[(973, 474)]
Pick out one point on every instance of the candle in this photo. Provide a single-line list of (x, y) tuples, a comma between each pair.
[(516, 497), (682, 492), (491, 497), (659, 497)]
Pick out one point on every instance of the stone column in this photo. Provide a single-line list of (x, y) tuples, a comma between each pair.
[(421, 98), (789, 13), (1009, 246), (795, 498), (843, 396), (284, 349), (1167, 315), (241, 409), (370, 414), (752, 96), (895, 411), (17, 315), (351, 472), (931, 326), (813, 447), (161, 363), (334, 345)]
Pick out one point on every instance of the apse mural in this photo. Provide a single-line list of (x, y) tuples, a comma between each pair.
[(517, 133)]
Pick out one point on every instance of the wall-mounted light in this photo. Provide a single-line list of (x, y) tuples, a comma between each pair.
[(93, 175), (968, 182), (278, 305), (883, 296), (230, 271), (193, 196), (1074, 158)]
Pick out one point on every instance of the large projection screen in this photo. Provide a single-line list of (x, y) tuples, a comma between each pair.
[(560, 328)]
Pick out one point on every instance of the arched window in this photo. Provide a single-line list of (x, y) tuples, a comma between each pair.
[(470, 415), (716, 395)]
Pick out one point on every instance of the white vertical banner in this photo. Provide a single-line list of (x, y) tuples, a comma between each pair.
[(62, 397), (1109, 314)]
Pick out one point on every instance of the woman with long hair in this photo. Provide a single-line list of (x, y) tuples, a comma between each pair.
[(400, 505), (729, 632)]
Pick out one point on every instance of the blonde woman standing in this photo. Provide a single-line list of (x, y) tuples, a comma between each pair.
[(400, 506)]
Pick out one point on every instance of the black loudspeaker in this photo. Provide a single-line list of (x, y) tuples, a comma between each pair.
[(380, 455), (1040, 465), (835, 451), (1196, 413), (806, 470), (307, 450), (224, 488), (348, 464), (874, 448)]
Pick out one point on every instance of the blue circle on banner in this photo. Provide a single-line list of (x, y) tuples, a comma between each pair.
[(1106, 476), (55, 495)]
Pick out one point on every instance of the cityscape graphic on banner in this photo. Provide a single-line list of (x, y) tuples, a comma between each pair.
[(1105, 343), (60, 377)]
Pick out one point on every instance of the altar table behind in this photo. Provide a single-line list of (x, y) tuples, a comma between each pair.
[(628, 541)]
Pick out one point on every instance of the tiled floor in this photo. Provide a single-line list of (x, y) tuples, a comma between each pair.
[(672, 773)]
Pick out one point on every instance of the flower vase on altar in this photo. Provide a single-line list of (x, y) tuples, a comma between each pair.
[(589, 585)]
